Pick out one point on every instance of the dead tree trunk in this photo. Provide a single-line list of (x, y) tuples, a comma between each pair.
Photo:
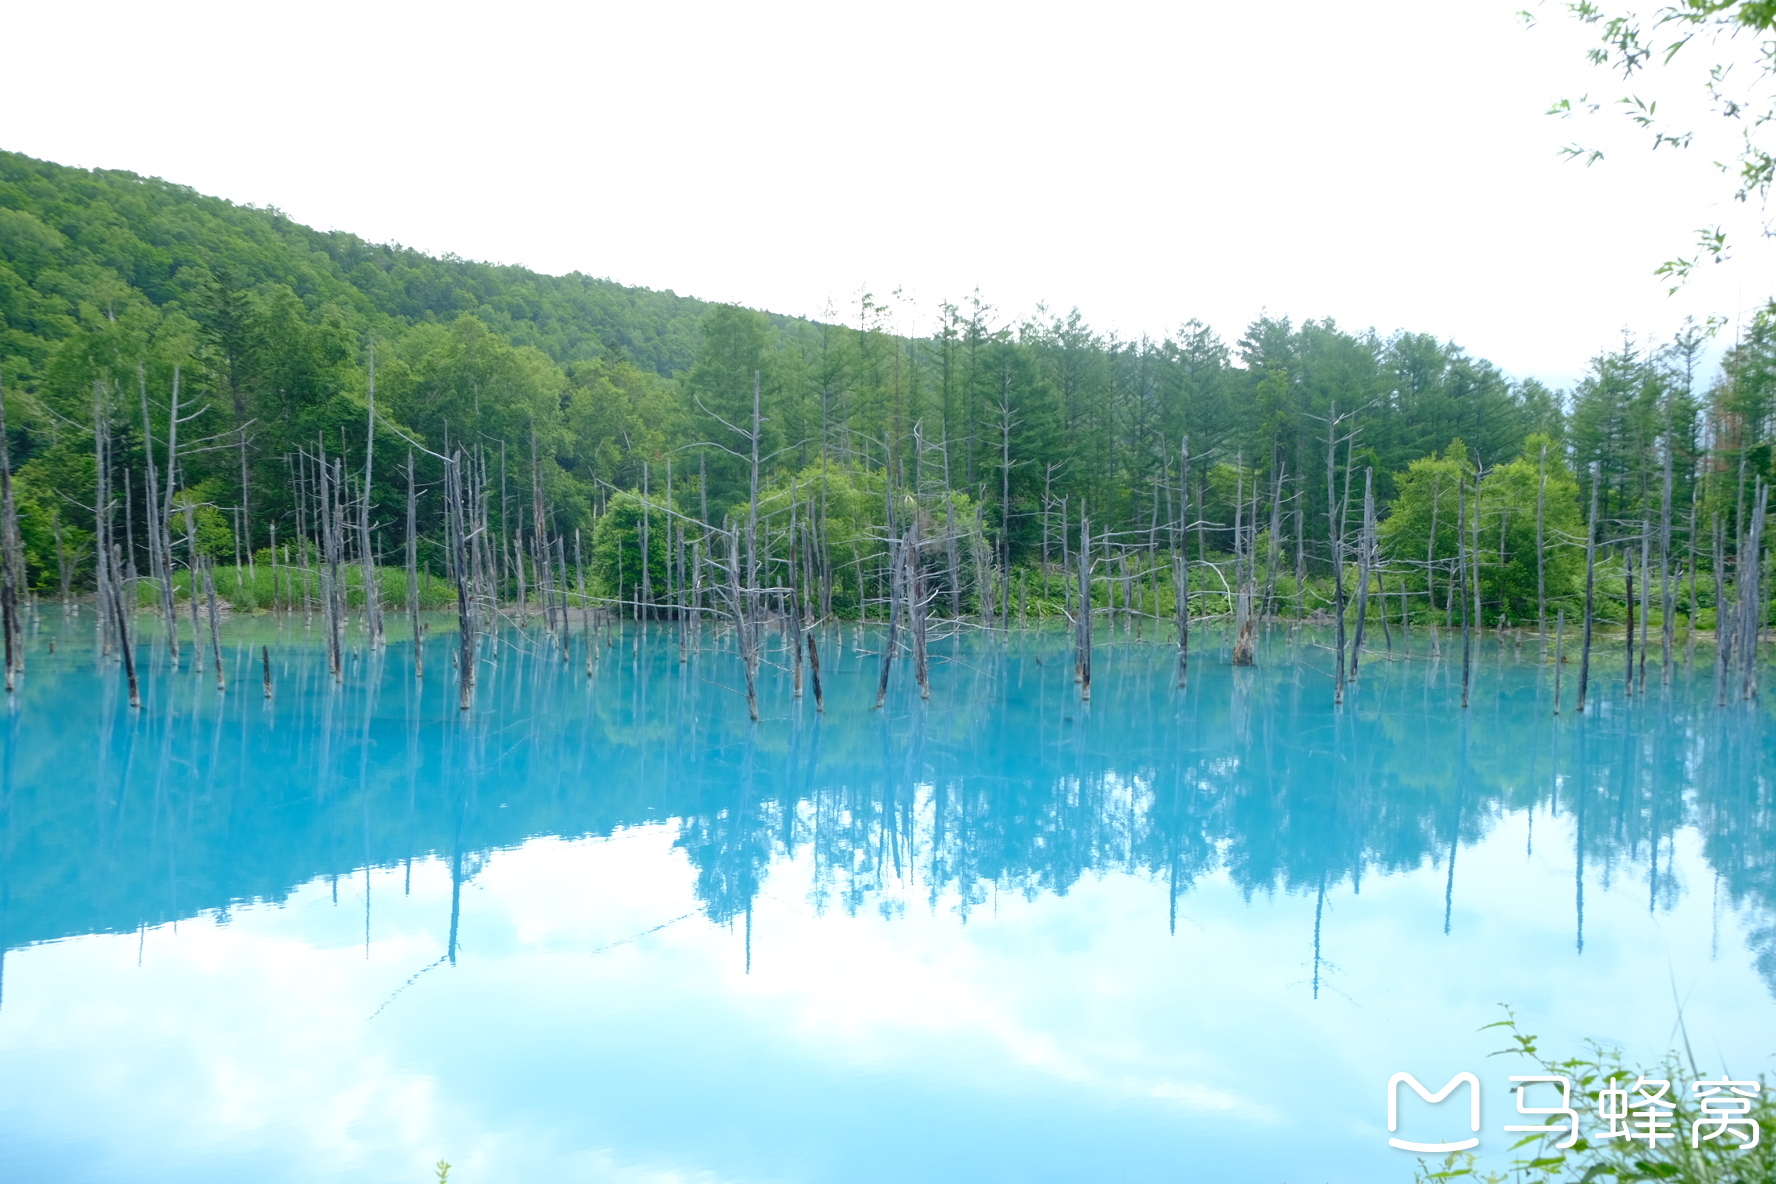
[(1751, 598), (1335, 533), (459, 571), (1365, 560), (11, 567), (1461, 557), (1559, 657), (372, 593), (1085, 610), (413, 569), (895, 579), (1590, 595), (914, 591), (1628, 604), (1541, 553), (123, 640), (1667, 593), (215, 625), (1181, 565)]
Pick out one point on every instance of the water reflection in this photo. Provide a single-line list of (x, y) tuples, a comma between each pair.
[(113, 821)]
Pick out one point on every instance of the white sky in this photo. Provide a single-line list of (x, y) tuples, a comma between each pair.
[(1387, 164)]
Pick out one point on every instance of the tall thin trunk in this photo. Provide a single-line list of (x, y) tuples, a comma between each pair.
[(1335, 532), (1723, 617), (1628, 604), (914, 592), (1646, 609), (1667, 593), (752, 516), (1181, 568), (745, 622), (10, 567), (413, 569), (123, 640), (1559, 656), (1690, 630), (1751, 593), (215, 625), (1541, 554), (1365, 549), (895, 566), (1085, 609), (1461, 558), (1431, 554), (459, 571), (1590, 595), (372, 592)]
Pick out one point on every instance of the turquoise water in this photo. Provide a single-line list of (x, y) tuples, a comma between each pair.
[(608, 930)]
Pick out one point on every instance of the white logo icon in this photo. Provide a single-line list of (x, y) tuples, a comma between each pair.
[(1473, 1084)]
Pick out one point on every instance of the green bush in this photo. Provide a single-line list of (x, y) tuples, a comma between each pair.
[(1719, 1157), (246, 589)]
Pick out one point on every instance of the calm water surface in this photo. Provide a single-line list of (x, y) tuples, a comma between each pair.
[(608, 930)]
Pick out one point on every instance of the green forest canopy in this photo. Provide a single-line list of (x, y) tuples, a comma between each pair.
[(111, 283)]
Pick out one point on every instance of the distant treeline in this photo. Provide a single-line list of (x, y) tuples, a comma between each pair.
[(566, 391)]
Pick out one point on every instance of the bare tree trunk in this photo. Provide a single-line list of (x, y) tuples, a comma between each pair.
[(123, 637), (684, 604), (560, 583), (245, 509), (215, 626), (1181, 565), (1628, 604), (102, 521), (1541, 552), (1646, 609), (1667, 593), (1335, 531), (793, 606), (1723, 618), (586, 637), (1690, 631), (1085, 610), (1559, 657), (1590, 595), (195, 582), (752, 515), (413, 569), (895, 566), (1243, 559), (372, 592), (459, 571), (160, 557), (1273, 554), (1751, 594), (1461, 556), (745, 623), (1365, 548), (11, 567), (915, 597)]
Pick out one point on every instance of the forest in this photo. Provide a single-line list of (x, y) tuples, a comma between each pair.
[(200, 395)]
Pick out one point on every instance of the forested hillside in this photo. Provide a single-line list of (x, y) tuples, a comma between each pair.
[(120, 294)]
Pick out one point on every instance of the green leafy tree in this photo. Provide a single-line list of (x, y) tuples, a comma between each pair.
[(616, 545)]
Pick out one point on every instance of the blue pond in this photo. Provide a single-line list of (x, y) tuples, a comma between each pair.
[(607, 929)]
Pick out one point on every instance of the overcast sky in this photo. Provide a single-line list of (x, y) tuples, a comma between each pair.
[(1386, 164)]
